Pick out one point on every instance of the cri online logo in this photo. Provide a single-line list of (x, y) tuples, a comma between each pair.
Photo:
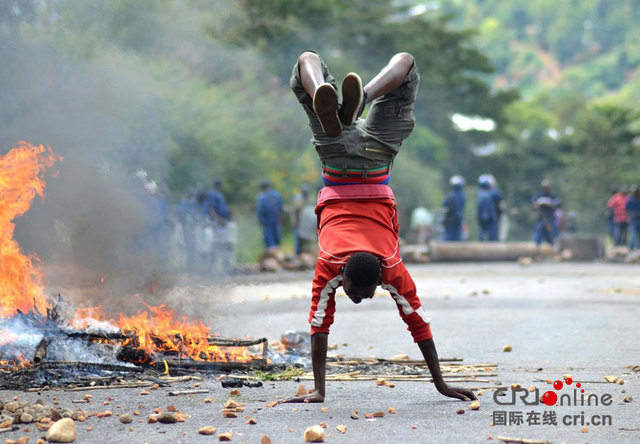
[(550, 398)]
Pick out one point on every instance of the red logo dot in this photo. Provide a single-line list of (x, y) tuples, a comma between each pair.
[(568, 381), (549, 398), (557, 385), (578, 385)]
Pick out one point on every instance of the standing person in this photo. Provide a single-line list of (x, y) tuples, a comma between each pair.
[(611, 225), (633, 215), (357, 217), (545, 203), (224, 230), (421, 223), (303, 220), (453, 207), (188, 217), (618, 205), (486, 210), (270, 210)]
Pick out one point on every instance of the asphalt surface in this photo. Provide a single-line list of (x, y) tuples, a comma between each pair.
[(559, 318)]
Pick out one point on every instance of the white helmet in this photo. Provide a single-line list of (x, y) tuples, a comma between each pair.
[(457, 180)]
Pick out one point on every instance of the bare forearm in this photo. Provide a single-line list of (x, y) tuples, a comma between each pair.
[(319, 361), (430, 354), (428, 349)]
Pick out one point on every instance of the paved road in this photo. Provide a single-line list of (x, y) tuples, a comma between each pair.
[(578, 319)]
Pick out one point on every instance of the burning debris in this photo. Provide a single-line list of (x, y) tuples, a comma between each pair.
[(45, 342)]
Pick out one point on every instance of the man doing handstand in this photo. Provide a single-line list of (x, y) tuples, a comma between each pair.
[(357, 218)]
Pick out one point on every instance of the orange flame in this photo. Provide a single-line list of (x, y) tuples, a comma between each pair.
[(21, 171), (158, 330)]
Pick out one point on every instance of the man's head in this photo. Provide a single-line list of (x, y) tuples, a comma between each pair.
[(218, 185), (635, 190), (546, 185), (361, 276)]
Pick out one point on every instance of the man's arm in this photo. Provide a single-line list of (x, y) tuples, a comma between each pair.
[(428, 349), (319, 361)]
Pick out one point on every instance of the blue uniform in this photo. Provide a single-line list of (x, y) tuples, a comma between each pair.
[(633, 214), (487, 211), (546, 228), (270, 209), (454, 207), (215, 201)]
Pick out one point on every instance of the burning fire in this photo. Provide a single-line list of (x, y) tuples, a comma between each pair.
[(157, 330), (149, 332), (21, 171)]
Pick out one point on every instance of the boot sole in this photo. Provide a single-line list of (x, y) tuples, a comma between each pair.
[(325, 105), (352, 96)]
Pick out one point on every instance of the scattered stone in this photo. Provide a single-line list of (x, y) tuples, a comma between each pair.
[(627, 399), (302, 390), (368, 415), (532, 389), (460, 411), (515, 385), (229, 414), (314, 434), (525, 261), (251, 421), (392, 410), (324, 409), (379, 414), (265, 440), (272, 404), (126, 418), (507, 348), (225, 436), (400, 357), (235, 392), (610, 378), (475, 405), (63, 430), (584, 429), (167, 418), (354, 415), (380, 381), (23, 440), (231, 404), (152, 419), (172, 408), (208, 400), (341, 428), (11, 407), (620, 381), (207, 430), (144, 392), (154, 387), (323, 425)]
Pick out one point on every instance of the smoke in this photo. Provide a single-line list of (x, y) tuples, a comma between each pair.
[(102, 119)]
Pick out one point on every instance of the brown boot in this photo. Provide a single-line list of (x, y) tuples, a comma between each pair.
[(352, 99), (325, 105)]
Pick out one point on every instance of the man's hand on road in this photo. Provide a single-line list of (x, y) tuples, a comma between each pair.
[(461, 393)]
